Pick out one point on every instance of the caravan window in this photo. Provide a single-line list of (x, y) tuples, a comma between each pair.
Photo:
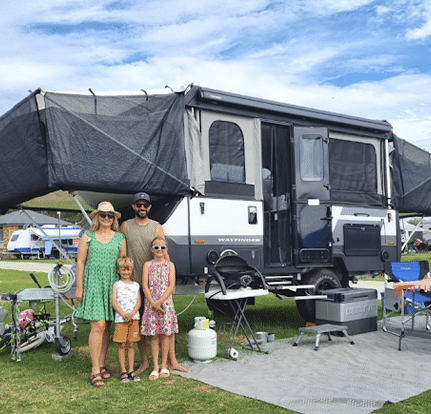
[(311, 157), (353, 166), (226, 147)]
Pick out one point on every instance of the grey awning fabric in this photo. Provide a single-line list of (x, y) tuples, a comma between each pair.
[(115, 144), (411, 178)]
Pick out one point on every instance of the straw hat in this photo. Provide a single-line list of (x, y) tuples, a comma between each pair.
[(105, 207)]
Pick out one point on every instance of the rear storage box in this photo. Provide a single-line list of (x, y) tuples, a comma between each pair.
[(355, 308)]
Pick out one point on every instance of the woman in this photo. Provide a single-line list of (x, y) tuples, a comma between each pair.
[(98, 251)]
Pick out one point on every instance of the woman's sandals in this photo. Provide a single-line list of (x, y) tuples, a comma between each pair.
[(96, 380), (105, 373)]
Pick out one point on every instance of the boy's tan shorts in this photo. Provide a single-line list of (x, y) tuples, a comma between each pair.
[(127, 332)]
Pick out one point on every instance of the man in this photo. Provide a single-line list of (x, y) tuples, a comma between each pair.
[(140, 231)]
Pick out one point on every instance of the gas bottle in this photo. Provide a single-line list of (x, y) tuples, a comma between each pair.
[(202, 340)]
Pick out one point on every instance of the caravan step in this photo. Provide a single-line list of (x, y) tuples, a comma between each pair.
[(279, 277), (294, 288), (305, 297)]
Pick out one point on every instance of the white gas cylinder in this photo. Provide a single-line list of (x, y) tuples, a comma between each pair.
[(202, 340)]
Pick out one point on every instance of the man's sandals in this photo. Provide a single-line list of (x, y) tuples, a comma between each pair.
[(97, 380)]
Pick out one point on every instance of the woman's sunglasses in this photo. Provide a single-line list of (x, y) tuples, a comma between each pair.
[(106, 215), (159, 247)]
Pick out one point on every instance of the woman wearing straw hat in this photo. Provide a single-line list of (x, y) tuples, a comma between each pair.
[(98, 251)]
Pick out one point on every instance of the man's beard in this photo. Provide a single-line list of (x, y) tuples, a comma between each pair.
[(141, 213)]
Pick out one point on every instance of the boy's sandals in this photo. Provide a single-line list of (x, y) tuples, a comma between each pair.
[(105, 373), (124, 377), (133, 376), (97, 380), (164, 373), (154, 375)]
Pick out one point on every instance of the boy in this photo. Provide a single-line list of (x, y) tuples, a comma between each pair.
[(126, 301)]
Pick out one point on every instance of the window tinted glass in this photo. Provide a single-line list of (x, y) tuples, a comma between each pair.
[(226, 145), (352, 166)]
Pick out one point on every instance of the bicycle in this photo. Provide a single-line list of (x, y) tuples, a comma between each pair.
[(29, 329)]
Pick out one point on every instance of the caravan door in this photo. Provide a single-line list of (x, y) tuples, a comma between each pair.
[(312, 198), (276, 179)]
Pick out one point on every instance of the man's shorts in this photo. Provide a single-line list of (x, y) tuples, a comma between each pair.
[(127, 332)]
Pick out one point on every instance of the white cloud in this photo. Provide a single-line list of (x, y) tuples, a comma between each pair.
[(420, 32), (286, 51)]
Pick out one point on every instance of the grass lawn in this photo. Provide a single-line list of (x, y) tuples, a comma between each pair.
[(39, 384)]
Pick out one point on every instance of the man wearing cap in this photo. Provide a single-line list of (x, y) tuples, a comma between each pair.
[(140, 231)]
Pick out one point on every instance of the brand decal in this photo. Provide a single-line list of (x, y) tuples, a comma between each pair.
[(238, 240), (353, 310)]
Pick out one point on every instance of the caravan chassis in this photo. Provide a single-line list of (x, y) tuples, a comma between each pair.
[(300, 224)]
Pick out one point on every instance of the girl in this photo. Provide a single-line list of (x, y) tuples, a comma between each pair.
[(159, 319)]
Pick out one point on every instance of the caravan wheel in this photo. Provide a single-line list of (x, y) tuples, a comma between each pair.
[(322, 279)]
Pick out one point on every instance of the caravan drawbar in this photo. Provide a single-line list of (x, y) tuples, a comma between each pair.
[(302, 195)]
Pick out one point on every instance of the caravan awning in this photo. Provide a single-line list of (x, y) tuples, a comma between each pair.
[(107, 143)]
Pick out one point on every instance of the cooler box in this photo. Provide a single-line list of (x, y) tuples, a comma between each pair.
[(355, 308)]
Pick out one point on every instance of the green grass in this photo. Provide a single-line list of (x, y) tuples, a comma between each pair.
[(39, 384)]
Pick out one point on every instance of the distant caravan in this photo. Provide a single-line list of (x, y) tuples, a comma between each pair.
[(33, 241)]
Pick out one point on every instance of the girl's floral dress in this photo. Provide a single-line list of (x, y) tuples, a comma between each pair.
[(152, 322)]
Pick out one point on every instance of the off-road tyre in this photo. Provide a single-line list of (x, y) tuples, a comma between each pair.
[(323, 279)]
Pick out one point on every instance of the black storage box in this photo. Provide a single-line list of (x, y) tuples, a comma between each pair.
[(354, 307)]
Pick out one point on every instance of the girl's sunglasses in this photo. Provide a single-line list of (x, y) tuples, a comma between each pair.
[(106, 215), (159, 247)]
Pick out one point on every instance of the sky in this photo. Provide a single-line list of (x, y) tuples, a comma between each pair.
[(359, 57)]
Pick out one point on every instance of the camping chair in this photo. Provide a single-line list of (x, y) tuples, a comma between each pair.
[(406, 292)]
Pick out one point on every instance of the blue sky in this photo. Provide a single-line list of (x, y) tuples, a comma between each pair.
[(359, 57)]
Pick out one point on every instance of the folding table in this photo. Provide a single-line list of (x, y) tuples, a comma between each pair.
[(237, 299)]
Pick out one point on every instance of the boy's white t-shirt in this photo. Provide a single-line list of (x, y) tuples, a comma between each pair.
[(127, 297)]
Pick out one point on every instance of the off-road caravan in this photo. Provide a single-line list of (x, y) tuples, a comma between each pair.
[(310, 198), (302, 195)]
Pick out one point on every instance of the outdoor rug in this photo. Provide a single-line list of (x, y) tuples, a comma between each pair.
[(337, 378)]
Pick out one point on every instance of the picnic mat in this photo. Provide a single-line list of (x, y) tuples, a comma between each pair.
[(338, 378)]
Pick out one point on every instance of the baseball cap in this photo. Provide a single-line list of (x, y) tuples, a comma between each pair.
[(141, 196)]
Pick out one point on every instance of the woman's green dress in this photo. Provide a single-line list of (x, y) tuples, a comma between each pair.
[(100, 273)]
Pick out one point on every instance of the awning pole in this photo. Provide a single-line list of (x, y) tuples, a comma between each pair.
[(82, 209)]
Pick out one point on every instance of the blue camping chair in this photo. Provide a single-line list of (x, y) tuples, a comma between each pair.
[(411, 303)]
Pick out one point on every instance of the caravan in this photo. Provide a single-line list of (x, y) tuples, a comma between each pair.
[(309, 197), (302, 195), (33, 241)]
